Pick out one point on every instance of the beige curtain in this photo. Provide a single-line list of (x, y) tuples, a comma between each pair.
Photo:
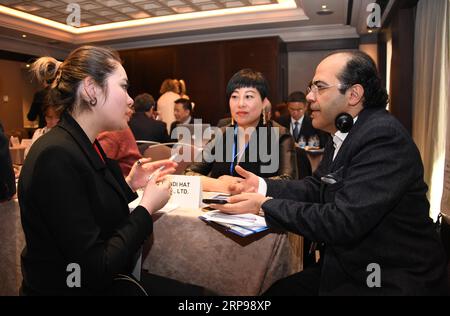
[(445, 206), (431, 73)]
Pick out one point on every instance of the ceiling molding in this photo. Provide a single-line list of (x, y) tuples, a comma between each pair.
[(32, 48), (289, 34), (33, 27), (194, 25)]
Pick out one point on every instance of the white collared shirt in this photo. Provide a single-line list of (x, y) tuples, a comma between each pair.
[(187, 120), (300, 121), (339, 138)]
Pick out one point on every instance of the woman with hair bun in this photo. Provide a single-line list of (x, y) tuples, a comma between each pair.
[(80, 237)]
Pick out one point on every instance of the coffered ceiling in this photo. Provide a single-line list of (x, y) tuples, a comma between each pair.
[(40, 26)]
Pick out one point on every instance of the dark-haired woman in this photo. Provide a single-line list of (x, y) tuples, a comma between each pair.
[(264, 148), (80, 237)]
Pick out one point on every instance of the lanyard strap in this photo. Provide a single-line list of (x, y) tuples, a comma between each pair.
[(234, 155)]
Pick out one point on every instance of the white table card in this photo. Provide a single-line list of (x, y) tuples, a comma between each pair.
[(186, 191)]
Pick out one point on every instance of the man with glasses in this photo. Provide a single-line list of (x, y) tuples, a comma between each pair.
[(366, 204), (298, 121)]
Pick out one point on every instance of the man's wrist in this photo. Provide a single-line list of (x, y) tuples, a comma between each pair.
[(261, 211)]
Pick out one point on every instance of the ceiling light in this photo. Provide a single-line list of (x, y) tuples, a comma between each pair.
[(27, 65), (324, 10)]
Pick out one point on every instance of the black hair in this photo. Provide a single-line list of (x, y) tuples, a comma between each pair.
[(297, 96), (248, 78), (361, 69), (144, 102), (187, 104)]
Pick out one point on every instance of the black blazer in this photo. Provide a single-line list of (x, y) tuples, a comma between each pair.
[(74, 209), (7, 178), (287, 157), (375, 212), (307, 130), (145, 128), (36, 107)]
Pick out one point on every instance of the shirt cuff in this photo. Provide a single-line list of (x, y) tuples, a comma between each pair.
[(262, 187)]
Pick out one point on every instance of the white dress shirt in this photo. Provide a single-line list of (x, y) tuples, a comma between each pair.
[(299, 121)]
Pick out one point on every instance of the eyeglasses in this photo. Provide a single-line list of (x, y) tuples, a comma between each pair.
[(314, 88)]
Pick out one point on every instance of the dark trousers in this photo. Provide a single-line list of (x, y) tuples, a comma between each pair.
[(305, 283)]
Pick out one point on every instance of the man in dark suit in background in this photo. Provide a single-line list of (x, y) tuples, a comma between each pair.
[(183, 114), (7, 178), (366, 204), (298, 122), (142, 123)]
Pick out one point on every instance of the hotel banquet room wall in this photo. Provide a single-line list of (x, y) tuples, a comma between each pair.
[(206, 68)]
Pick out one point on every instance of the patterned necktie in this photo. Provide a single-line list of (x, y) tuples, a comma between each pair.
[(296, 131)]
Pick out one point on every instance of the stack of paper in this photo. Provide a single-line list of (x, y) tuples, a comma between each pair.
[(242, 224)]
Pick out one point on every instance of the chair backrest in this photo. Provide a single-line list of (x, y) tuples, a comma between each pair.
[(144, 144), (303, 163), (187, 152)]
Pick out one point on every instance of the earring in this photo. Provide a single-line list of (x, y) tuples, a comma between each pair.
[(232, 121), (264, 119), (93, 101)]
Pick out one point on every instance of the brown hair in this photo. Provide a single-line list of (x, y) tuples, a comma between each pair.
[(170, 85), (86, 61)]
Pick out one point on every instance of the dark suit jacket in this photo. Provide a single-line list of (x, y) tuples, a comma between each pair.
[(175, 124), (7, 178), (74, 209), (376, 212), (287, 157), (36, 107), (145, 128), (307, 130)]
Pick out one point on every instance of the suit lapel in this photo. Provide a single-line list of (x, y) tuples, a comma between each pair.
[(347, 145)]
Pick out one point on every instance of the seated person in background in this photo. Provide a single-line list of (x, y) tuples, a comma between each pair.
[(120, 146), (299, 124), (52, 115), (142, 123), (249, 141), (183, 114), (280, 111), (7, 179)]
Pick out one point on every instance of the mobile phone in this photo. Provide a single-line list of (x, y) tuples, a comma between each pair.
[(214, 201), (217, 199)]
